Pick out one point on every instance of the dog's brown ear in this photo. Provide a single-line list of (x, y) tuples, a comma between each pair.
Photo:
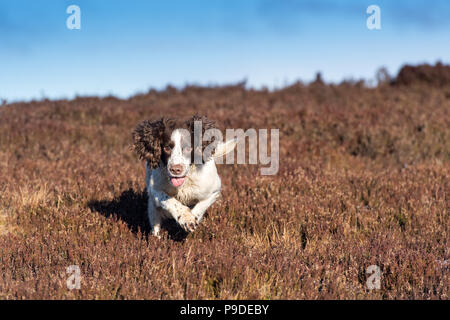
[(147, 139), (206, 124)]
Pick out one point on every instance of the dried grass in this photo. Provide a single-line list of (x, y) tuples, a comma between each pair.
[(364, 179)]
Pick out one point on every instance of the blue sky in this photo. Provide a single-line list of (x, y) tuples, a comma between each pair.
[(126, 47)]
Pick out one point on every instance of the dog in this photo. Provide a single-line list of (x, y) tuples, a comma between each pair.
[(178, 185)]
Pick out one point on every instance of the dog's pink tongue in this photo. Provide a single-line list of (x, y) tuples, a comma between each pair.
[(177, 181)]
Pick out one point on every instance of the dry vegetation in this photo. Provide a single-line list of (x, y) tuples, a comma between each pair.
[(364, 179)]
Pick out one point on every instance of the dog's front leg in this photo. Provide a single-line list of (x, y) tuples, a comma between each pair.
[(181, 213), (154, 217), (200, 208)]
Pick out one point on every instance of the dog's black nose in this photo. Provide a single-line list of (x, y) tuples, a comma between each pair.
[(176, 169)]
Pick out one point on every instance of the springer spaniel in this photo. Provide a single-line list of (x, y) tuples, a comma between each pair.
[(179, 187)]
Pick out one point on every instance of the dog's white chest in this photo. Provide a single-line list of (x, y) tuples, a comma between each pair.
[(188, 194)]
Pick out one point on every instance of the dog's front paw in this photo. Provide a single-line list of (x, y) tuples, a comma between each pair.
[(188, 221), (156, 231)]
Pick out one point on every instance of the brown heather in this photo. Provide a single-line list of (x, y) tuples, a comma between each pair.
[(364, 179)]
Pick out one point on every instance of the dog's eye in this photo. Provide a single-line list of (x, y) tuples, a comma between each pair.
[(167, 148)]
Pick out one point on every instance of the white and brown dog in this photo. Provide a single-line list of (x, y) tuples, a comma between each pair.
[(179, 186)]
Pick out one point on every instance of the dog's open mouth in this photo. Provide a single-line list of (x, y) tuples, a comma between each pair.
[(177, 181)]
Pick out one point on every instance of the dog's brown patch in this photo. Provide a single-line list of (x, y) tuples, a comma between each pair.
[(152, 138), (206, 124)]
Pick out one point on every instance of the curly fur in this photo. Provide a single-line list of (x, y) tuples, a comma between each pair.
[(148, 138), (206, 124)]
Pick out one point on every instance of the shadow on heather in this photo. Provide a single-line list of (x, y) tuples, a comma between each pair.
[(131, 207)]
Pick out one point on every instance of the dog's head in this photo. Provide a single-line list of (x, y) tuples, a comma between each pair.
[(171, 144)]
